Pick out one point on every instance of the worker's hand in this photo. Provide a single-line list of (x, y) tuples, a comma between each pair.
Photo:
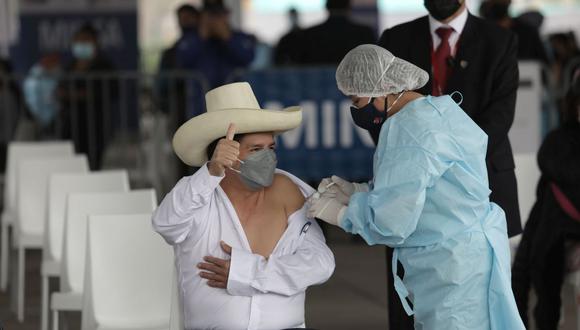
[(226, 153), (348, 188), (215, 270), (326, 209), (329, 189), (324, 183)]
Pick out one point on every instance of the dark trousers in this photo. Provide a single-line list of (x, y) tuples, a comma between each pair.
[(398, 318), (548, 287)]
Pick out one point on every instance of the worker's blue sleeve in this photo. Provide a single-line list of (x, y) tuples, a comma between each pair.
[(389, 212)]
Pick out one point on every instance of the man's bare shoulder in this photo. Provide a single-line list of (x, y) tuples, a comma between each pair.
[(286, 191)]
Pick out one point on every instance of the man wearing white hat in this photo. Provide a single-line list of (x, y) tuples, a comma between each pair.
[(245, 249)]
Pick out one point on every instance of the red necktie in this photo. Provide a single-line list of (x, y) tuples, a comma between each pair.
[(441, 69)]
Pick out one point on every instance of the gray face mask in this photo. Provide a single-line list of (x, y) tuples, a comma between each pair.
[(257, 170)]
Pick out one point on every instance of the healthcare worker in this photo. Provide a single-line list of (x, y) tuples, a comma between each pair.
[(429, 198)]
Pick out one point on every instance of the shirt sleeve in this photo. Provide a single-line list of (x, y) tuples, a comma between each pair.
[(311, 262), (388, 214), (179, 212)]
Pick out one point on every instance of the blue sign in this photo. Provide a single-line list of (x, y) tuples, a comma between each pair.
[(327, 142), (44, 33)]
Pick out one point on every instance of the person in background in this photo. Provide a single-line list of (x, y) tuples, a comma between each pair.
[(328, 42), (530, 46), (553, 227), (215, 49), (39, 88), (188, 21), (532, 18), (563, 50), (287, 51), (171, 85), (477, 58), (87, 95)]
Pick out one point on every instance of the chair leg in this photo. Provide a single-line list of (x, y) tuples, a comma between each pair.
[(55, 319), (4, 254), (21, 281), (44, 303)]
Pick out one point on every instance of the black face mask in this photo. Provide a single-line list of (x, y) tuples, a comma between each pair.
[(442, 9), (368, 117)]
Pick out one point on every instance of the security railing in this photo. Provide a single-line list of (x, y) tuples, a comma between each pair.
[(127, 119), (119, 119)]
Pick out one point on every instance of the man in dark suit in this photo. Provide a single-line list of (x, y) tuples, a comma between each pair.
[(478, 59), (328, 42)]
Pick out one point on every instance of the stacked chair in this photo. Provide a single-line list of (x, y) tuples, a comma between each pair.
[(80, 207), (60, 186), (176, 320), (113, 266), (96, 238), (18, 151), (32, 198)]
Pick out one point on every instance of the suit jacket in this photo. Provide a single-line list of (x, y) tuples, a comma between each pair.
[(485, 71), (327, 43)]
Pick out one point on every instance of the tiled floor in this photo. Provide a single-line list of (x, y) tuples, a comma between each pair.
[(353, 299)]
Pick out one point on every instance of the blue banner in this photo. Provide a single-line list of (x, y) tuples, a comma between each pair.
[(327, 142), (51, 32)]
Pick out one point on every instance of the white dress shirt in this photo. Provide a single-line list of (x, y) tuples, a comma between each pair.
[(457, 24), (261, 293)]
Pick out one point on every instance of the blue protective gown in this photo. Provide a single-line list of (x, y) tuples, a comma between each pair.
[(429, 200)]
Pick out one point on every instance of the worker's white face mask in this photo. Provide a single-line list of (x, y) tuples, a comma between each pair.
[(257, 170)]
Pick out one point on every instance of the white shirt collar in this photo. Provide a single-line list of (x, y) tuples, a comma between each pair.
[(458, 23)]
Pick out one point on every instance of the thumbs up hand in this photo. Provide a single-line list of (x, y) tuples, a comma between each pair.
[(225, 154)]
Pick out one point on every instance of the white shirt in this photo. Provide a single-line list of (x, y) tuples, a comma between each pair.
[(261, 293), (457, 24)]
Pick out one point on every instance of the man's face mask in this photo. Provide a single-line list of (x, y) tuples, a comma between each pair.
[(257, 170), (83, 50), (368, 116), (442, 9)]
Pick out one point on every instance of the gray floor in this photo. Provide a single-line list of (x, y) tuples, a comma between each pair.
[(354, 298)]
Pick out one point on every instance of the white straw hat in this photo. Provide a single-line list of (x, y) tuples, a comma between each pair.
[(232, 103)]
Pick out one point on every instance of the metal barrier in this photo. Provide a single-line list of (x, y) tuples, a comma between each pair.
[(127, 119), (119, 119)]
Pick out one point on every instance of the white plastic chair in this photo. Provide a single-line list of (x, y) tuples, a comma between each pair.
[(128, 275), (79, 207), (176, 321), (16, 152), (60, 185), (32, 199)]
